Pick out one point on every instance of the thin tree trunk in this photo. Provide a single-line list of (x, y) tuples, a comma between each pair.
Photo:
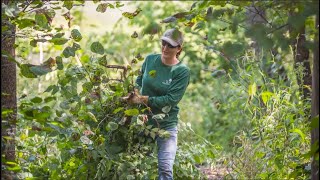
[(255, 15), (315, 101), (8, 92), (301, 57)]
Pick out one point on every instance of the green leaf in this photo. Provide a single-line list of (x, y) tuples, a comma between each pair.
[(41, 20), (197, 159), (266, 95), (153, 135), (298, 131), (41, 115), (211, 154), (59, 62), (68, 4), (117, 110), (49, 88), (55, 90), (118, 4), (85, 59), (40, 70), (49, 99), (131, 112), (23, 23), (152, 73), (252, 89), (76, 46), (16, 168), (87, 86), (92, 116), (36, 100), (68, 51), (112, 126), (33, 43), (103, 60), (58, 35), (131, 15), (58, 41), (26, 72), (103, 7), (76, 35), (96, 47)]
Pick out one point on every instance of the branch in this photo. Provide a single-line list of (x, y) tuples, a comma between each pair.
[(118, 67), (284, 25), (223, 20), (258, 12), (27, 5)]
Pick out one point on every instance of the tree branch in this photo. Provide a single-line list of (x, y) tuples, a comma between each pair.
[(258, 12), (284, 25), (27, 5)]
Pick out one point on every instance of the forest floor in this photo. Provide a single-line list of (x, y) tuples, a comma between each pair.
[(214, 173)]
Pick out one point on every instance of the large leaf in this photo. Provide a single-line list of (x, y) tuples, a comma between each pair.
[(58, 41), (41, 20), (76, 35), (69, 51), (36, 100), (40, 70), (298, 131), (96, 47), (26, 72), (131, 112), (23, 23)]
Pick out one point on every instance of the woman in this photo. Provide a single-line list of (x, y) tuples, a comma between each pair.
[(162, 84)]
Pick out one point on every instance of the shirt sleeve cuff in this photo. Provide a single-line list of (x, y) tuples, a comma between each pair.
[(150, 101)]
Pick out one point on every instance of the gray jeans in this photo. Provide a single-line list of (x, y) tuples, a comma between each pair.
[(167, 148)]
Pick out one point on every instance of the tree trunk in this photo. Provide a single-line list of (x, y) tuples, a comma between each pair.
[(255, 15), (8, 91), (301, 58), (315, 101)]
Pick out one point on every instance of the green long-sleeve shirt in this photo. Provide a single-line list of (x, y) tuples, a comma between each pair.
[(165, 85)]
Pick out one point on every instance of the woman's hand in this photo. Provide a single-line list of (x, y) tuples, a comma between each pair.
[(135, 98)]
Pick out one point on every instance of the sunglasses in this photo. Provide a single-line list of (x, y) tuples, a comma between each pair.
[(165, 43)]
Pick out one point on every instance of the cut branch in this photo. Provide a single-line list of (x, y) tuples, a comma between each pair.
[(119, 67)]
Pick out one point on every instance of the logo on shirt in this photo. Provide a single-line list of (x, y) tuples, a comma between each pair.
[(167, 82)]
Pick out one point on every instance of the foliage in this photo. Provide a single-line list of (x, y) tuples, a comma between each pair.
[(243, 93), (79, 122)]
